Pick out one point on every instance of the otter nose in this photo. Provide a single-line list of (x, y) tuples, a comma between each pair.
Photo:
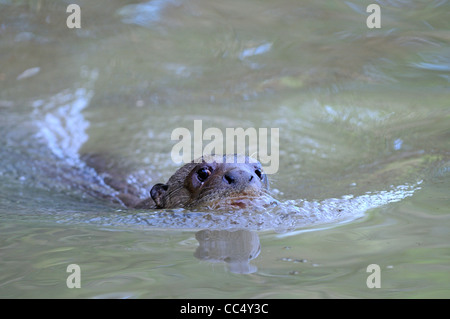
[(237, 176), (229, 178)]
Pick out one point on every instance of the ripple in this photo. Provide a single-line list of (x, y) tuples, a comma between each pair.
[(144, 14), (432, 66), (285, 216)]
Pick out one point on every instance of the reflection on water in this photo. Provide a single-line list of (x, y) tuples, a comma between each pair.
[(236, 248)]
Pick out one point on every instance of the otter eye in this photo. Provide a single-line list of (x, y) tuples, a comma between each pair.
[(259, 173), (203, 174)]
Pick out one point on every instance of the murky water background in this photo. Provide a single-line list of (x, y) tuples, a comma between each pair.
[(364, 119)]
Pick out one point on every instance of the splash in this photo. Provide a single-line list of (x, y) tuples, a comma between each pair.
[(60, 120), (282, 217)]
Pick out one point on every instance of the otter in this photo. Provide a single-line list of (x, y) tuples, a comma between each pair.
[(213, 181)]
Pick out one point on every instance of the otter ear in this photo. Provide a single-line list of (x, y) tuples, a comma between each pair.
[(157, 192)]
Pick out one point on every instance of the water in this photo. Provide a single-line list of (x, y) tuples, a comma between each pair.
[(364, 120)]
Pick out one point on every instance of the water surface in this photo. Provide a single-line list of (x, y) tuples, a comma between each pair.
[(364, 119)]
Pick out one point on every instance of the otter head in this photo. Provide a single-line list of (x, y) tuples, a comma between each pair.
[(213, 181)]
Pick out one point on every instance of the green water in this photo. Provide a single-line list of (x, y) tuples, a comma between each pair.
[(364, 120)]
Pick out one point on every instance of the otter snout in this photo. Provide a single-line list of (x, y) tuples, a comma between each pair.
[(238, 177)]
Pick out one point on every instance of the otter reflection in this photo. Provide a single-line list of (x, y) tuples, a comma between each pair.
[(235, 247)]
